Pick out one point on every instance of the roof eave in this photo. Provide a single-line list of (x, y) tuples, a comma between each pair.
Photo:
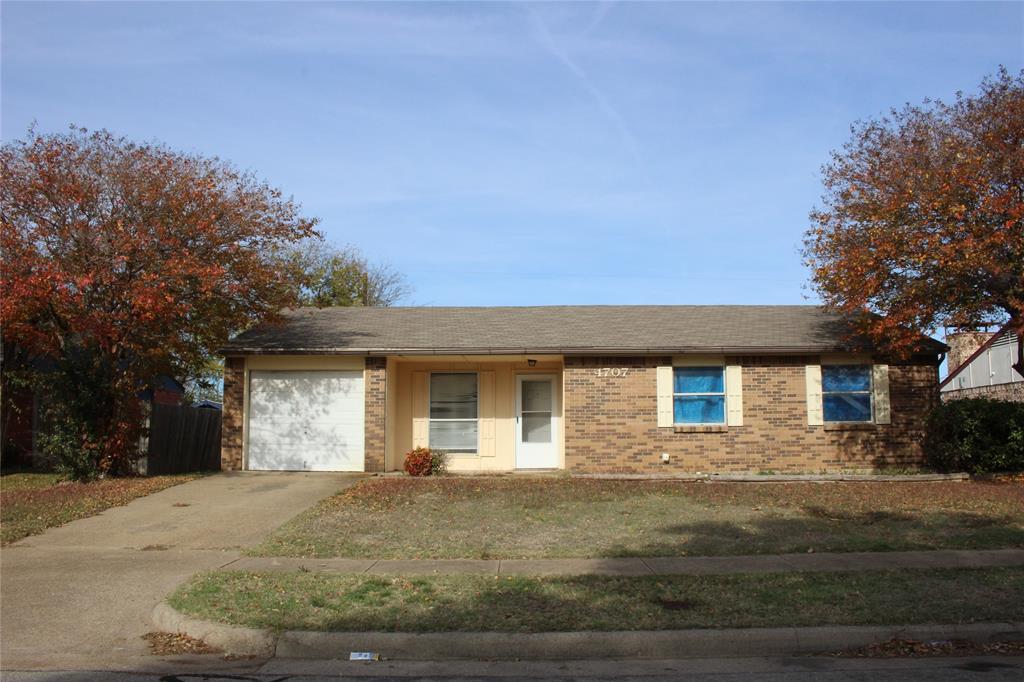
[(589, 350)]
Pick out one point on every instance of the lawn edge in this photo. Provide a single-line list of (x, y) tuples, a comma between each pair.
[(703, 643), (192, 476)]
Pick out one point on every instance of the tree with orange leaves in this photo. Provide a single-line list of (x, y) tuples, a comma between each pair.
[(923, 218), (125, 261)]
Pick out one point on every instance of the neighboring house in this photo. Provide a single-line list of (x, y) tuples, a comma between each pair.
[(588, 389), (20, 411), (981, 366)]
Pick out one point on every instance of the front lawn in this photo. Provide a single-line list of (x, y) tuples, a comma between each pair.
[(312, 601), (496, 518), (32, 502)]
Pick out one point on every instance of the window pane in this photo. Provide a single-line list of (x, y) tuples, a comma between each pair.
[(847, 407), (699, 380), (537, 395), (453, 436), (700, 410), (537, 427), (846, 378), (453, 396)]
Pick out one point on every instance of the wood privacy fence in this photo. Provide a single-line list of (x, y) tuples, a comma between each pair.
[(183, 439)]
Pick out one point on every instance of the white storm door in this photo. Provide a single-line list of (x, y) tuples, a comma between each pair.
[(306, 421), (536, 423)]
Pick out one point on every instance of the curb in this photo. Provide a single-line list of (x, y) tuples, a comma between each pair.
[(235, 641), (732, 643)]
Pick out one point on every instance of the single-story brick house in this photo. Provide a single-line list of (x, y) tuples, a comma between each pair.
[(587, 389)]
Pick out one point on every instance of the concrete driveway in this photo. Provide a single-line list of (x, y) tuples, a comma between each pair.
[(81, 595)]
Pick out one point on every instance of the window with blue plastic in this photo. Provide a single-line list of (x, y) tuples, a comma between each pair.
[(846, 393), (698, 395)]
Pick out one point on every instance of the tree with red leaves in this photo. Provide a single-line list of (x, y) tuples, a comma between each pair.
[(923, 218), (125, 261)]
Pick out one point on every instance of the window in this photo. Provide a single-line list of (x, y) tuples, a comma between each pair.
[(453, 412), (698, 395), (846, 393)]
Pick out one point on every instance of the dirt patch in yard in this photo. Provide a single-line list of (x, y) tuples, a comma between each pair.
[(493, 517)]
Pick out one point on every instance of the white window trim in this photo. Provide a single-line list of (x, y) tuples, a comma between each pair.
[(430, 420), (724, 393), (870, 391)]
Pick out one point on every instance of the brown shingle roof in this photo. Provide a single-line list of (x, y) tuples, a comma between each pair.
[(555, 329)]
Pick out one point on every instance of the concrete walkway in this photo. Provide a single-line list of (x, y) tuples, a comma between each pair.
[(766, 563), (83, 594)]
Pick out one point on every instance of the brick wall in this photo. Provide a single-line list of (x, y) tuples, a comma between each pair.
[(1013, 392), (376, 384), (231, 415), (611, 422)]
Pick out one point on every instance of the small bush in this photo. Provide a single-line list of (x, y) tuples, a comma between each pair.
[(976, 435), (438, 462), (67, 451), (425, 462), (418, 461)]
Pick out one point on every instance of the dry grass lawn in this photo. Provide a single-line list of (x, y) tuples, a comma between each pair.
[(312, 601), (32, 502), (511, 517)]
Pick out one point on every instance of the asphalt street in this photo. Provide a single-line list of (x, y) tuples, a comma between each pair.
[(194, 669)]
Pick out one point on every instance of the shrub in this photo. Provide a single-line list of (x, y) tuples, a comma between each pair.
[(65, 449), (438, 462), (425, 462), (418, 461), (976, 435)]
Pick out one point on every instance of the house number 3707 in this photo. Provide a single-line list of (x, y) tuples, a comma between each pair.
[(611, 371)]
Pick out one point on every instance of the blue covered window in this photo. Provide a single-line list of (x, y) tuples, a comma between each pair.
[(698, 395), (846, 393)]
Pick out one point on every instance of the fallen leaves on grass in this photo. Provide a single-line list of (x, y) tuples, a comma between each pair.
[(496, 517), (27, 508), (881, 499), (173, 643)]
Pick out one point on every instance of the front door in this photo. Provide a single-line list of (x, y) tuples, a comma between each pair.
[(536, 423)]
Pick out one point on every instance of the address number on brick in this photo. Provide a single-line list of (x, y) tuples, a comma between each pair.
[(611, 371)]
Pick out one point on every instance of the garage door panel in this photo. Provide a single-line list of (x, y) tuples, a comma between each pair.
[(285, 431), (304, 440), (306, 421), (274, 458)]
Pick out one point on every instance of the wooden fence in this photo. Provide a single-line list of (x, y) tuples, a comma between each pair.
[(183, 439)]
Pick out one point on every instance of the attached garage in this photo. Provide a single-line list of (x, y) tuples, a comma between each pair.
[(306, 420)]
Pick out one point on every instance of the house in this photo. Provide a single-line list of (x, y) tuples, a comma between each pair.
[(587, 389), (981, 366)]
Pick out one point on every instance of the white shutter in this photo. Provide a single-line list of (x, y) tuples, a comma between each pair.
[(815, 414), (420, 410), (734, 394), (665, 417), (487, 415), (880, 393)]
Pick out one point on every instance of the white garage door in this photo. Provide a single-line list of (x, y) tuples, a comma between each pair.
[(306, 421)]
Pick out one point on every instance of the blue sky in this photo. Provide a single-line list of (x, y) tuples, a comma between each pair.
[(516, 154)]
